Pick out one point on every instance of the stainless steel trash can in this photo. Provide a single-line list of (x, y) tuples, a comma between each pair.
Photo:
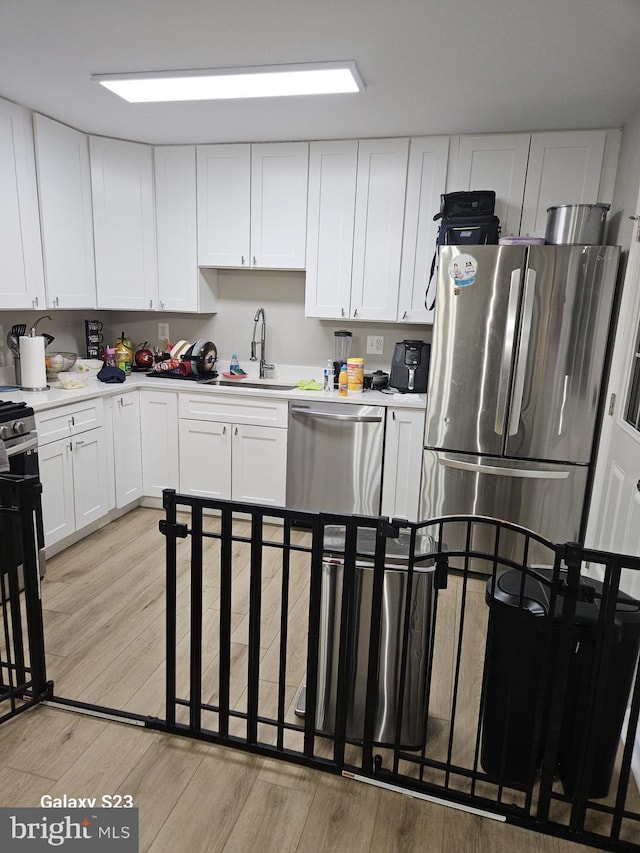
[(394, 595)]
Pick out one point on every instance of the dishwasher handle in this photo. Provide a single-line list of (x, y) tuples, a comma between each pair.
[(335, 416)]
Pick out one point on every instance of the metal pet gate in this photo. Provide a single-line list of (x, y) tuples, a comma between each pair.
[(22, 662), (463, 660)]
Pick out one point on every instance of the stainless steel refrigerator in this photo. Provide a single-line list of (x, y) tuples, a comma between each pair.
[(518, 353)]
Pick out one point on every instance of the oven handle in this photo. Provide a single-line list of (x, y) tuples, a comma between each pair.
[(21, 446)]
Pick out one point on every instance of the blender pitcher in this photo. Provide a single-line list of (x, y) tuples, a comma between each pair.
[(341, 352)]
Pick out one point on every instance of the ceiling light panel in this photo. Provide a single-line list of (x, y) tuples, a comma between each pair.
[(319, 78)]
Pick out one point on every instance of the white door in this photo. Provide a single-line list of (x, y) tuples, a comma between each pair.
[(127, 450), (279, 174), (66, 218), (205, 458), (56, 475), (259, 467), (159, 436), (224, 206), (614, 519), (379, 218), (331, 210), (124, 224), (496, 162)]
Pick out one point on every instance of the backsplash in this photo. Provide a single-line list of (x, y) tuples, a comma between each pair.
[(292, 339)]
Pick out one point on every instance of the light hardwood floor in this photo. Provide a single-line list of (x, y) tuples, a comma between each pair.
[(104, 626)]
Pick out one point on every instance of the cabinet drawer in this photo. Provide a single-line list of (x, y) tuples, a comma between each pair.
[(229, 409), (64, 421)]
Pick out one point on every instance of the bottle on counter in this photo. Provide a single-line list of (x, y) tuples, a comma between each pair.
[(110, 356), (343, 381), (124, 354)]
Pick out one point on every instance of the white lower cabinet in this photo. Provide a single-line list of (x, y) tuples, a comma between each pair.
[(159, 435), (127, 451), (402, 463), (75, 476), (233, 448)]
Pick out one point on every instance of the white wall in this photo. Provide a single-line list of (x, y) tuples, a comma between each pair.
[(291, 338)]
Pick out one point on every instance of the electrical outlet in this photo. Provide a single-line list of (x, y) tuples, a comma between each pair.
[(163, 331), (375, 344)]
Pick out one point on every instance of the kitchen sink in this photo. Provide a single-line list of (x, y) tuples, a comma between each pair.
[(244, 383)]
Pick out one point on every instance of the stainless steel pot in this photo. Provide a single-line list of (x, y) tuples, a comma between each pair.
[(570, 224)]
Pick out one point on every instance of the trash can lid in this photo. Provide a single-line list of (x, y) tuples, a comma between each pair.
[(535, 596), (398, 550)]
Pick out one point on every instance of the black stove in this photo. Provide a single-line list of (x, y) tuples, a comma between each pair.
[(16, 420)]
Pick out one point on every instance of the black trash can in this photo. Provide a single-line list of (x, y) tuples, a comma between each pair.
[(394, 599), (518, 619)]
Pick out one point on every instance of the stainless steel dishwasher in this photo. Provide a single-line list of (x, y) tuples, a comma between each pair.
[(334, 457)]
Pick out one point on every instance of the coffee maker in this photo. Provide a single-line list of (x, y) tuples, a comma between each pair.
[(341, 352)]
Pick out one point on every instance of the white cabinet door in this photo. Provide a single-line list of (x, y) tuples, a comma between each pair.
[(426, 181), (89, 476), (259, 465), (159, 434), (224, 205), (127, 451), (379, 216), (21, 273), (564, 168), (180, 286), (56, 475), (402, 463), (330, 215), (124, 224), (495, 162), (205, 458), (66, 218), (279, 173)]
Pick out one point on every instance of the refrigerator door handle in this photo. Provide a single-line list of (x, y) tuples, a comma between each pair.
[(523, 351), (525, 473), (507, 352)]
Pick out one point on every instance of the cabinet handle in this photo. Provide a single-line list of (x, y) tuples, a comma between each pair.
[(342, 311), (71, 446), (393, 416), (56, 302), (151, 303), (34, 302), (72, 422), (242, 261), (224, 430), (355, 312), (255, 263), (404, 316), (162, 306), (235, 432)]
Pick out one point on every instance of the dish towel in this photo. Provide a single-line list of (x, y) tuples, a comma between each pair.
[(308, 385), (4, 459)]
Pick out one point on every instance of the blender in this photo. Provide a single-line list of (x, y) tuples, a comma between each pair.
[(341, 352)]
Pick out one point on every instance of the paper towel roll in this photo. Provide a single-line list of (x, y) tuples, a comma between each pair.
[(33, 373)]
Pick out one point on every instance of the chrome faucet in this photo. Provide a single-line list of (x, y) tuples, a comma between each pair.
[(263, 336)]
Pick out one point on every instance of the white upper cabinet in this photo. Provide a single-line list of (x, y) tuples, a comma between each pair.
[(124, 224), (21, 273), (379, 216), (426, 181), (279, 173), (564, 168), (252, 204), (495, 162), (331, 211), (66, 218), (224, 205), (181, 286)]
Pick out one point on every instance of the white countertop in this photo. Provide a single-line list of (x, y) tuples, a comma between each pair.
[(56, 396)]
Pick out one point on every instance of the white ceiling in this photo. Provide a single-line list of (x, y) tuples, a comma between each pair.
[(431, 66)]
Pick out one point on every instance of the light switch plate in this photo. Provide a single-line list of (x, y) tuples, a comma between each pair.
[(163, 331)]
